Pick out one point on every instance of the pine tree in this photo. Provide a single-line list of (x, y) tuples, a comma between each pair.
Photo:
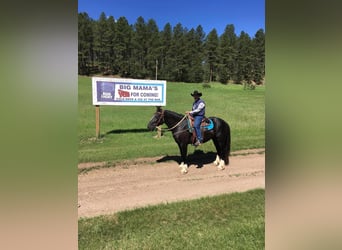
[(164, 63), (111, 53), (102, 43), (153, 48), (212, 58), (244, 58), (114, 46), (189, 54), (198, 69), (228, 54), (259, 52), (122, 47), (176, 54), (139, 49), (194, 49), (85, 44)]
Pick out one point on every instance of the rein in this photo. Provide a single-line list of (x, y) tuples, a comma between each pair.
[(178, 123)]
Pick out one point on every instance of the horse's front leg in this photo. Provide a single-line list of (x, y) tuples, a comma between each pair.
[(183, 151)]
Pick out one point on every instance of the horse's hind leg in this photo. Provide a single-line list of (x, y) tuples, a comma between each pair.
[(219, 161)]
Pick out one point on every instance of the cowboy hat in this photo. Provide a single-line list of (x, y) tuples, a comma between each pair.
[(196, 93)]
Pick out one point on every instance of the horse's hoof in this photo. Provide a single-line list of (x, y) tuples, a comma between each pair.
[(217, 161), (220, 165), (184, 168)]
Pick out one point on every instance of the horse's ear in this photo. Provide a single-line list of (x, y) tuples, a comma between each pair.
[(159, 108)]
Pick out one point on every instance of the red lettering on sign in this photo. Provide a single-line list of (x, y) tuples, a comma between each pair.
[(123, 93)]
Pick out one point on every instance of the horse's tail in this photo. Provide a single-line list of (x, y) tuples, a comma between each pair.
[(227, 146)]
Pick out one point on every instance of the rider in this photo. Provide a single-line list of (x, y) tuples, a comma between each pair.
[(198, 112)]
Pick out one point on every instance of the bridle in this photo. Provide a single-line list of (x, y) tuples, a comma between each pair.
[(161, 120)]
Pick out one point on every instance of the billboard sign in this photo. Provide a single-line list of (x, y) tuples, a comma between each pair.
[(128, 92)]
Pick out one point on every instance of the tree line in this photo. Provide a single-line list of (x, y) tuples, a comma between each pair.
[(142, 51)]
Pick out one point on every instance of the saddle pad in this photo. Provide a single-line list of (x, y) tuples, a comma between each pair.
[(209, 126)]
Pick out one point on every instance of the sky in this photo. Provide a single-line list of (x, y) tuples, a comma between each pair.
[(245, 15)]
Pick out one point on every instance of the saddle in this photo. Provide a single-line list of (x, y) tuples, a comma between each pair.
[(206, 124)]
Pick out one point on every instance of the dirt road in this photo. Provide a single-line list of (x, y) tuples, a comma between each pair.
[(157, 180)]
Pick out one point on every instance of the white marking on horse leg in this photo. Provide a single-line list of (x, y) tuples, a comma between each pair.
[(184, 168), (221, 165), (217, 161)]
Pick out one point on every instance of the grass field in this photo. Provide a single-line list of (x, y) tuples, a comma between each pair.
[(234, 221), (231, 221), (123, 129)]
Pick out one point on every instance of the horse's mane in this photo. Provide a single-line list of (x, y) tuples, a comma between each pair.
[(180, 116)]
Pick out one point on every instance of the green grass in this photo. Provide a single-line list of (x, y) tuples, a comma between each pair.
[(123, 129), (234, 221)]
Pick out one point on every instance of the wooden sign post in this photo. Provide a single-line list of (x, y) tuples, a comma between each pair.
[(97, 111)]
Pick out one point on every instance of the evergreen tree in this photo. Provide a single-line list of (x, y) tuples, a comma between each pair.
[(122, 47), (212, 58), (134, 50), (194, 55), (198, 69), (259, 59), (85, 44), (228, 54), (153, 47), (139, 49), (176, 54), (110, 48), (188, 55), (102, 43), (244, 58), (164, 63)]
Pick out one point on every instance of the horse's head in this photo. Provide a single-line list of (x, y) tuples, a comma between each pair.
[(157, 119)]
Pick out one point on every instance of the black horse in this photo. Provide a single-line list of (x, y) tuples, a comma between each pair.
[(179, 125)]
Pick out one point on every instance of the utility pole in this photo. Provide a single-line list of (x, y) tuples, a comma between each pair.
[(159, 130)]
